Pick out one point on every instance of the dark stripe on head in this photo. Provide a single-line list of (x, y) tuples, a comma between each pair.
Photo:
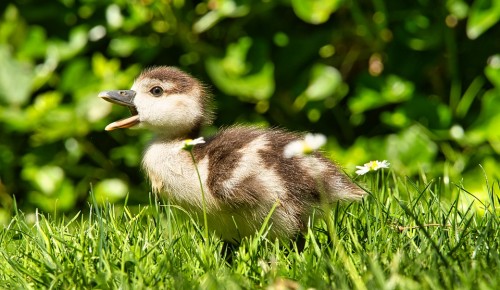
[(183, 82)]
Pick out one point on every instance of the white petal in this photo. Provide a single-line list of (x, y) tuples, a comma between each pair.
[(315, 141), (385, 164), (198, 140), (294, 148), (381, 164), (362, 170)]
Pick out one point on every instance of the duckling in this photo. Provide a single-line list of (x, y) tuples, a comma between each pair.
[(243, 170)]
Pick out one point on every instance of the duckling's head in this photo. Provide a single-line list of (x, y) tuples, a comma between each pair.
[(165, 100)]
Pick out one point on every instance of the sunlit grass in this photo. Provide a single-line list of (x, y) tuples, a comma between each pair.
[(404, 235)]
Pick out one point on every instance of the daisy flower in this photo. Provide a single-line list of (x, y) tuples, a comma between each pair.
[(188, 144), (309, 144), (372, 166)]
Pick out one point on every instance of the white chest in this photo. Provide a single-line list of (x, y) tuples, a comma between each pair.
[(172, 172)]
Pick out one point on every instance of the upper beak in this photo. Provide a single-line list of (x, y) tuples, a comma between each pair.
[(123, 98)]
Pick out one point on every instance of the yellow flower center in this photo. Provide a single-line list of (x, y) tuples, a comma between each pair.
[(373, 165), (306, 148)]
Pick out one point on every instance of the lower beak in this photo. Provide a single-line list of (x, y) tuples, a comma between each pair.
[(123, 98)]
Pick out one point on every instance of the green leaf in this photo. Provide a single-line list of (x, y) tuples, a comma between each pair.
[(411, 150), (15, 79), (468, 97), (234, 75), (63, 198), (224, 9), (458, 8), (486, 126), (66, 50), (483, 15), (35, 45), (124, 46), (393, 90), (46, 179), (325, 81), (315, 11), (397, 89), (492, 70), (426, 111), (111, 190), (104, 68)]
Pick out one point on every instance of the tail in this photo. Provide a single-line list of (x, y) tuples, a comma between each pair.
[(341, 187)]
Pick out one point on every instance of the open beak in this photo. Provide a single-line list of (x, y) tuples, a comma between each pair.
[(123, 98)]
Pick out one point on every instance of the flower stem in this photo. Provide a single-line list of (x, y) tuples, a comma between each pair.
[(203, 201)]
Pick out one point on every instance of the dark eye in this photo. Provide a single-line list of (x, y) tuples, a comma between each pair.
[(156, 91)]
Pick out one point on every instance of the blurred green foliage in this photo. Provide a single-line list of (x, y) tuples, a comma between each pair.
[(414, 82)]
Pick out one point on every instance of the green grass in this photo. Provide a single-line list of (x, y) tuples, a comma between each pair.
[(405, 235)]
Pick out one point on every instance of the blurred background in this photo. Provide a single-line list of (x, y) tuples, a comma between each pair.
[(413, 82)]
